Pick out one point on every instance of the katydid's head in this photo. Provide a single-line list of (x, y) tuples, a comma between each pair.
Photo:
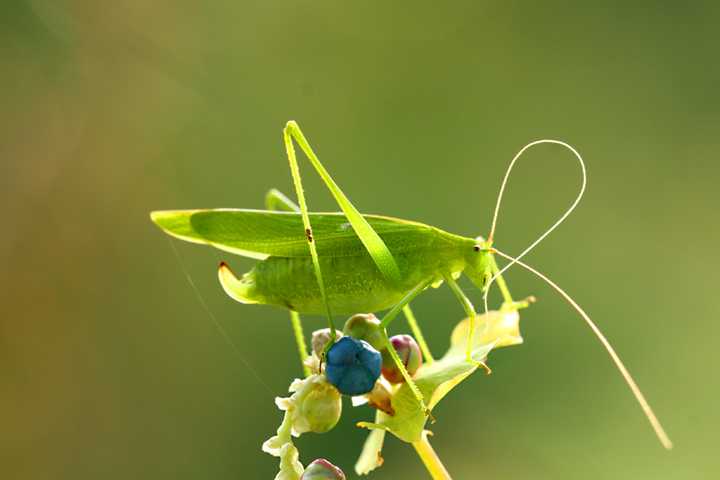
[(478, 263)]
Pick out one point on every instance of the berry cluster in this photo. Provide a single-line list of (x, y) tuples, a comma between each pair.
[(357, 363)]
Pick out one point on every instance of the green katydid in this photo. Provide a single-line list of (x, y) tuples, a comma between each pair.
[(347, 262)]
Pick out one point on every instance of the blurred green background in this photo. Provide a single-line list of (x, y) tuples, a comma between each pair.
[(111, 368)]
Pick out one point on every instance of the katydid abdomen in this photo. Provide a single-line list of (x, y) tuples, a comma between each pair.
[(352, 283)]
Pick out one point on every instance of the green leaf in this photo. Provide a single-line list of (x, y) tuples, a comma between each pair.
[(261, 233), (435, 380)]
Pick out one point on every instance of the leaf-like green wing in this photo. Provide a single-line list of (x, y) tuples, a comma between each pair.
[(261, 233)]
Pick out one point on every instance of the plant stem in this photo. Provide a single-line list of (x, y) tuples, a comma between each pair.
[(300, 340), (430, 458), (418, 333)]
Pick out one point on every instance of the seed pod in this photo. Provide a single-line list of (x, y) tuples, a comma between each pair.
[(321, 408), (353, 366), (320, 338), (409, 353), (365, 326), (314, 406), (321, 469)]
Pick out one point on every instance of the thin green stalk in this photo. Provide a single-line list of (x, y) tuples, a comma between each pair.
[(415, 328), (500, 281), (469, 311), (431, 460), (300, 339)]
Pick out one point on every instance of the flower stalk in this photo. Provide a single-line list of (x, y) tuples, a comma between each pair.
[(430, 459)]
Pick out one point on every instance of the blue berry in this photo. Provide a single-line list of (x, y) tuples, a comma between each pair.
[(353, 366)]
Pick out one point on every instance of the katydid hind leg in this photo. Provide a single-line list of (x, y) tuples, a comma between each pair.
[(368, 236), (299, 191), (371, 240)]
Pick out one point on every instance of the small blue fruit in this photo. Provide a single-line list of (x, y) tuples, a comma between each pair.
[(353, 366)]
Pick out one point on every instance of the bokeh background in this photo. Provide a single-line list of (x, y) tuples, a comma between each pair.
[(111, 368)]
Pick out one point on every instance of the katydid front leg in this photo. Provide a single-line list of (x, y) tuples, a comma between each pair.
[(469, 311)]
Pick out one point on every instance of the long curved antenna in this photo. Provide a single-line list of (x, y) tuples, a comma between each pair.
[(554, 225), (547, 232), (654, 422)]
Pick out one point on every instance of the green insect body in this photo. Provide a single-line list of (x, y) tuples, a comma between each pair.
[(286, 278), (336, 263), (353, 284), (347, 263)]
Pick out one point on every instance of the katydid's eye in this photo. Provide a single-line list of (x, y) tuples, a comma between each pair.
[(353, 366), (476, 248)]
